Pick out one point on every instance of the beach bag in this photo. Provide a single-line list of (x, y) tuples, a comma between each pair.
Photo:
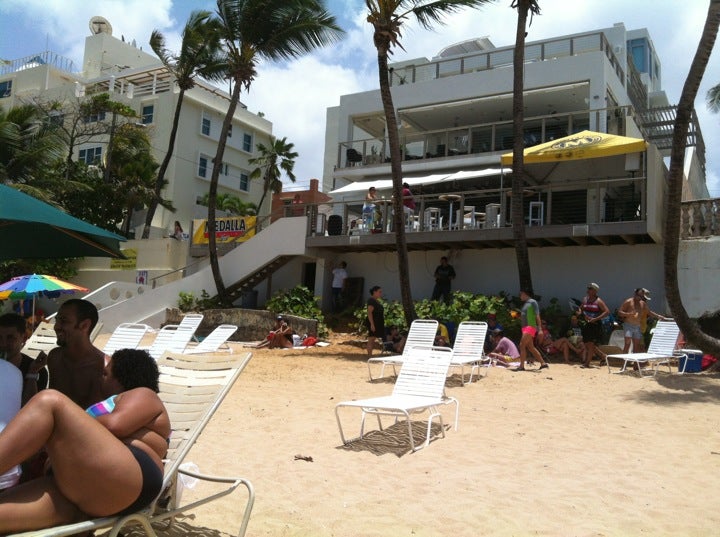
[(309, 341)]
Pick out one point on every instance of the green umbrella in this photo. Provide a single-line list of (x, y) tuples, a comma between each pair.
[(31, 229)]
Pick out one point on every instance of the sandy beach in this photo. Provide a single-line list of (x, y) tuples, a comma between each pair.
[(559, 452)]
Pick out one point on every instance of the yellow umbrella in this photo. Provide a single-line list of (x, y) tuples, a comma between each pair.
[(583, 145)]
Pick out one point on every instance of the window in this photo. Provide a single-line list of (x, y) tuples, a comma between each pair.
[(205, 128), (56, 119), (5, 89), (147, 114), (244, 182), (247, 142), (91, 155), (230, 131), (225, 169), (92, 118), (202, 167)]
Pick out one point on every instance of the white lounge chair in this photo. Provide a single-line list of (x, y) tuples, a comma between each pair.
[(126, 336), (421, 334), (43, 339), (419, 389), (469, 349), (175, 337), (216, 339), (660, 351), (192, 388)]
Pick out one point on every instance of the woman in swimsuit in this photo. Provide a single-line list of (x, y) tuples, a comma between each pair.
[(104, 461)]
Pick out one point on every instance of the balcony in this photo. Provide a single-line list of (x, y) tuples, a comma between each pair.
[(592, 212), (478, 139), (502, 58)]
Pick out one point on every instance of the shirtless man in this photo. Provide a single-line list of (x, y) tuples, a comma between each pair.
[(76, 365), (632, 312)]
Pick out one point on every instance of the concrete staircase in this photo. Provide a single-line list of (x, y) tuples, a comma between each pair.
[(244, 267)]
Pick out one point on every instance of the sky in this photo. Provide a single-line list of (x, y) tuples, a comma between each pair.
[(294, 95)]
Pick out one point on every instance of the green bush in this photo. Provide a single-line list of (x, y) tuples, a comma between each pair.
[(464, 307), (299, 301), (188, 302)]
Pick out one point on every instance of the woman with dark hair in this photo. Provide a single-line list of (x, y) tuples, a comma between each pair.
[(104, 461)]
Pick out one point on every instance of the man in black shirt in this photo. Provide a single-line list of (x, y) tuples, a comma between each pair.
[(444, 274)]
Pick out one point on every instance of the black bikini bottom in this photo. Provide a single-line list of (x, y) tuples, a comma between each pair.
[(152, 481)]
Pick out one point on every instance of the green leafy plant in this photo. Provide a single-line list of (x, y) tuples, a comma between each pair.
[(188, 302), (463, 307), (299, 301)]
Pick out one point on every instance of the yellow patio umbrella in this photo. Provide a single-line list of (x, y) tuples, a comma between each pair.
[(583, 145)]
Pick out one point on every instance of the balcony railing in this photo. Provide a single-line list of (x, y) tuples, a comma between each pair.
[(42, 58), (503, 58), (481, 138), (569, 204), (700, 218)]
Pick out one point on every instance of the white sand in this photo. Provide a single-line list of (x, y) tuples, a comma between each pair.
[(562, 452)]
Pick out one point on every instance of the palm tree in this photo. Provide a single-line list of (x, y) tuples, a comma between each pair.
[(250, 31), (690, 328), (713, 98), (198, 57), (518, 167), (387, 18), (29, 147), (274, 159)]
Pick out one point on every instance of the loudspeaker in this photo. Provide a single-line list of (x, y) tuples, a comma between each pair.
[(335, 224)]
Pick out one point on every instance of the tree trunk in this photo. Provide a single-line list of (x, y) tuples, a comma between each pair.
[(212, 194), (160, 181), (396, 172), (690, 328), (518, 167)]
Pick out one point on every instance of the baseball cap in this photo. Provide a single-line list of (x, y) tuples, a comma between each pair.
[(280, 318), (491, 315), (646, 294), (593, 285), (496, 331)]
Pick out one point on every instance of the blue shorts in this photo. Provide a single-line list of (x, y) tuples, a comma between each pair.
[(632, 331)]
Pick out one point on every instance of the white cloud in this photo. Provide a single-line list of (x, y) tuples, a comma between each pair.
[(294, 96)]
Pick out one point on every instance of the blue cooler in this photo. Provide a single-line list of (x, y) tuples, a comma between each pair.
[(693, 362)]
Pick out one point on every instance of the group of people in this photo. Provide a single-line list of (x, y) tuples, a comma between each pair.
[(372, 210), (583, 338), (92, 415)]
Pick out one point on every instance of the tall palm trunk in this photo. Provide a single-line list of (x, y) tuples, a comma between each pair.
[(690, 328), (518, 166), (160, 181), (396, 172), (212, 194)]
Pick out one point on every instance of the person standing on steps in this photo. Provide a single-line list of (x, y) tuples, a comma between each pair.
[(338, 284)]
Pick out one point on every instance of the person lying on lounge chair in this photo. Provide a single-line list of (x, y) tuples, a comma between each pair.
[(104, 461)]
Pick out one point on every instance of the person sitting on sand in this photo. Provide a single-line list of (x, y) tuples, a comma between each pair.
[(545, 341), (105, 461), (394, 340), (504, 350), (279, 337)]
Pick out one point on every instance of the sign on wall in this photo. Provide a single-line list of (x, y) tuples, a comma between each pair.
[(227, 229)]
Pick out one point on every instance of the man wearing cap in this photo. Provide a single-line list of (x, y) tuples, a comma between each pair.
[(634, 313), (504, 350), (593, 311)]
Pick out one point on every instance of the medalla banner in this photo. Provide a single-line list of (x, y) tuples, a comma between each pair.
[(227, 229)]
